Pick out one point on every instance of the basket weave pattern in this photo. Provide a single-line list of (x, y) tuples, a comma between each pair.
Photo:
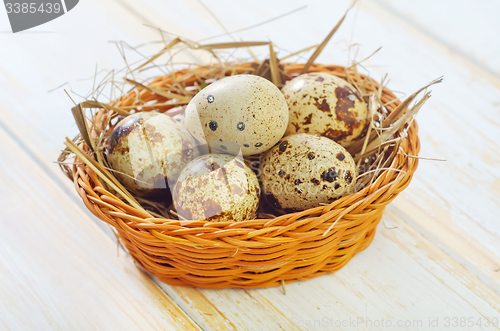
[(254, 253)]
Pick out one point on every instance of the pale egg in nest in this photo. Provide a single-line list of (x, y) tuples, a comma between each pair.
[(244, 109)]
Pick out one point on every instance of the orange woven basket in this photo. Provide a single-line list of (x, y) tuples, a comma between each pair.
[(254, 253)]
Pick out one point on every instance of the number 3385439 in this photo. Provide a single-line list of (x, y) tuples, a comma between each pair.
[(32, 8)]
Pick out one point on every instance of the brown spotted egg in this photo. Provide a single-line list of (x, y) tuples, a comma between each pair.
[(147, 150), (325, 104), (244, 109), (304, 170), (217, 188)]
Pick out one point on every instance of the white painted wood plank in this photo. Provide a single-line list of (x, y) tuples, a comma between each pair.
[(58, 270), (469, 28), (412, 59), (65, 50), (401, 277), (460, 124)]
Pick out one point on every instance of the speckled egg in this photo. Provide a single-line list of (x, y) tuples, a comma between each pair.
[(244, 109), (147, 150), (304, 170), (325, 104), (217, 188)]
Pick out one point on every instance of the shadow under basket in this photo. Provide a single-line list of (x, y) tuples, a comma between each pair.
[(254, 253)]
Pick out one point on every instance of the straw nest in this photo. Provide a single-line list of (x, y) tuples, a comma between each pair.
[(272, 249)]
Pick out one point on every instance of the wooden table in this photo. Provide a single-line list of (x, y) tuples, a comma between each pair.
[(435, 261)]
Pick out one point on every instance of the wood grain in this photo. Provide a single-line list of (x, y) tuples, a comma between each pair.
[(401, 277), (58, 270), (467, 28), (437, 258)]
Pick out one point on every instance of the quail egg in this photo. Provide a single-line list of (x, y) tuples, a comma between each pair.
[(244, 109), (217, 188), (147, 150), (304, 170), (325, 104)]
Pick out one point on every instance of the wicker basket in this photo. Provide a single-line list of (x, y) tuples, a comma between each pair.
[(254, 253)]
